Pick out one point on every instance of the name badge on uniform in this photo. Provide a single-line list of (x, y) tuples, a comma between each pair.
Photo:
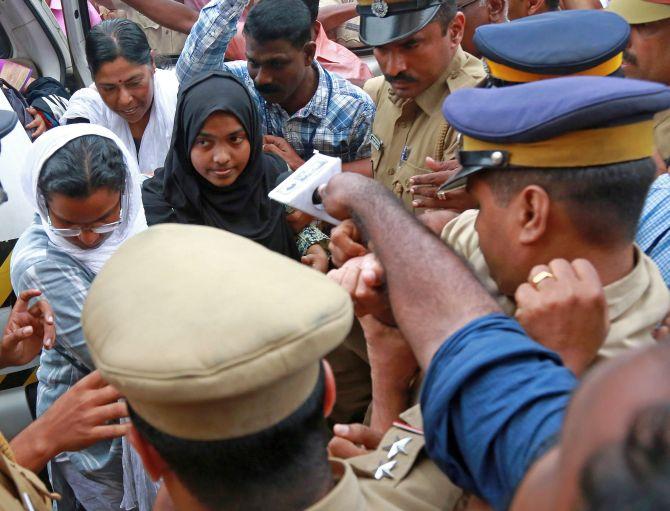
[(376, 142)]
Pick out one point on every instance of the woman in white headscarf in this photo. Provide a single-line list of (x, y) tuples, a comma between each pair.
[(129, 95), (84, 187)]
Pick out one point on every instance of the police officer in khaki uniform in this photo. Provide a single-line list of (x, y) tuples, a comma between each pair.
[(647, 56), (636, 301), (417, 46), (218, 349)]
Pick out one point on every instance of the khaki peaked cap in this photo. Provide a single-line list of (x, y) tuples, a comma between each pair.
[(636, 12), (209, 335)]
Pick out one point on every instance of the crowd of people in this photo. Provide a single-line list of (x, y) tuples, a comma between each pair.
[(488, 326)]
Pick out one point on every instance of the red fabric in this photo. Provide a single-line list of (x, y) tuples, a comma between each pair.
[(332, 56)]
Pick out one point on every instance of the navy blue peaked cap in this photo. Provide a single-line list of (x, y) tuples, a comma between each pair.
[(566, 122), (556, 43), (545, 109)]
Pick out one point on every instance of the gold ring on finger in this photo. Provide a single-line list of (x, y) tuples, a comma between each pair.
[(541, 276)]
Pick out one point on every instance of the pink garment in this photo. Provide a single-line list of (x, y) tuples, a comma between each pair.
[(196, 4), (57, 10), (332, 56)]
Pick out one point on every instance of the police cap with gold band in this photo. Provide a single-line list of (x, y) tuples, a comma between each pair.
[(583, 121), (208, 335), (637, 12), (579, 42), (386, 21)]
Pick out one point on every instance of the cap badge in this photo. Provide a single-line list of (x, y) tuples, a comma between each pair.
[(379, 8)]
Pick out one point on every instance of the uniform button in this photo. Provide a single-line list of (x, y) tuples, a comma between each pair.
[(453, 75), (390, 171), (402, 125)]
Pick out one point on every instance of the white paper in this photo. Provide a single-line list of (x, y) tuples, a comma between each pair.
[(298, 189)]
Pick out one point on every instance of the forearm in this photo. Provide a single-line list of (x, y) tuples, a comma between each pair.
[(389, 400), (333, 16), (432, 292), (208, 40), (363, 167), (32, 447), (168, 13)]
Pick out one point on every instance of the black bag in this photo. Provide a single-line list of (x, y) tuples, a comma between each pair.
[(18, 104)]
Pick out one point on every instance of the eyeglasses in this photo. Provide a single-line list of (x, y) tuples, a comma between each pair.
[(76, 231)]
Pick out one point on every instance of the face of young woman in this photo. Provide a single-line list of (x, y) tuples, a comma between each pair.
[(221, 151), (102, 207), (126, 88)]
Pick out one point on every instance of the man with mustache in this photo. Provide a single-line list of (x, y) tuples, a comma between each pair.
[(303, 107), (418, 48), (647, 58)]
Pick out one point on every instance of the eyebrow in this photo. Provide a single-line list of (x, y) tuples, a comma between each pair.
[(279, 57), (104, 215), (211, 135), (135, 77)]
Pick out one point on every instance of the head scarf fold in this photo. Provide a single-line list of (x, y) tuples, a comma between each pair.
[(133, 220), (244, 207)]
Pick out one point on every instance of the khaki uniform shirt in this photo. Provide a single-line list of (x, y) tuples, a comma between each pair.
[(636, 302), (346, 495), (400, 474), (662, 133), (18, 485), (406, 131), (164, 41)]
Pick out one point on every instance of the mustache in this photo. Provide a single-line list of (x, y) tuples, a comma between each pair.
[(267, 89), (629, 57), (400, 77)]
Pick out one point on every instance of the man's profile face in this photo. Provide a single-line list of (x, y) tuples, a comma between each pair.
[(277, 68), (413, 64), (498, 238), (647, 56)]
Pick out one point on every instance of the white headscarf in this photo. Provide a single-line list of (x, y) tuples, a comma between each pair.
[(133, 220)]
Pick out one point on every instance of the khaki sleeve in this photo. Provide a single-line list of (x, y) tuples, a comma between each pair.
[(460, 234)]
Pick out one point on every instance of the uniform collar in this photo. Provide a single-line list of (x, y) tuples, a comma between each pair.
[(345, 495), (430, 100), (624, 293), (453, 78)]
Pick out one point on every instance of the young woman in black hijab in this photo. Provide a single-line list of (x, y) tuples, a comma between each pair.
[(217, 174)]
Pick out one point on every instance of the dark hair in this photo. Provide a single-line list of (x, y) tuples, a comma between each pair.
[(83, 166), (279, 19), (282, 467), (604, 203), (445, 14), (553, 5), (116, 38), (313, 6), (632, 475)]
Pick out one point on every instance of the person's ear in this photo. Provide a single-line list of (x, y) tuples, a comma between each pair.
[(330, 394), (456, 29), (535, 7), (310, 52), (152, 461), (497, 10), (532, 207)]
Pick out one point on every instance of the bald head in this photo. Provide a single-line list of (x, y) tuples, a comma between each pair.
[(604, 409)]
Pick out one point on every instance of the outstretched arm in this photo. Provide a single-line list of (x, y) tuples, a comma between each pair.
[(168, 13), (432, 291)]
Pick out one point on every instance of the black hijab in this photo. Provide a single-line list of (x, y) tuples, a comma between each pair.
[(242, 208)]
